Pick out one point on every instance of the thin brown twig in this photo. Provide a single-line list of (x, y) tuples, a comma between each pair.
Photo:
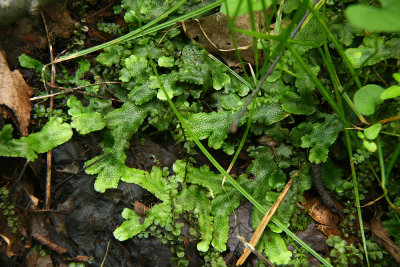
[(264, 222), (53, 78), (105, 256), (67, 90)]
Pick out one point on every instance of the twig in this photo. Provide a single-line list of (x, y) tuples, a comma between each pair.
[(53, 78), (105, 256), (50, 244), (264, 222), (67, 90), (271, 69), (258, 254)]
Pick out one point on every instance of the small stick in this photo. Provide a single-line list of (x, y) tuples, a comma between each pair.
[(50, 153), (67, 90), (264, 222), (258, 254), (271, 69)]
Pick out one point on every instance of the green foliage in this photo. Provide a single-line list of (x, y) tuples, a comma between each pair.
[(374, 49), (372, 131), (8, 209), (379, 19), (288, 110), (86, 119), (275, 248), (30, 63), (242, 7), (343, 254), (321, 137), (53, 134)]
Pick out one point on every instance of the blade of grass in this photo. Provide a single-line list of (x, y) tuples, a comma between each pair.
[(336, 82), (356, 193), (394, 156)]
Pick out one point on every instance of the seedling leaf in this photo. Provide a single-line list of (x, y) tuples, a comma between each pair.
[(372, 131), (367, 97)]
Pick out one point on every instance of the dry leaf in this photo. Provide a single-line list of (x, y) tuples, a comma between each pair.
[(214, 35), (381, 237), (320, 213), (14, 94)]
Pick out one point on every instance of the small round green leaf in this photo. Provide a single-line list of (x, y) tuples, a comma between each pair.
[(372, 132), (391, 92), (371, 146), (367, 97)]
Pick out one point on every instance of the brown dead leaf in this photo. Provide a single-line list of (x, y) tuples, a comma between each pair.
[(214, 35), (381, 237), (14, 94), (319, 212)]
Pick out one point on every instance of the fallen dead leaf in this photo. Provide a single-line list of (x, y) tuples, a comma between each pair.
[(214, 35), (14, 94), (381, 237), (321, 214)]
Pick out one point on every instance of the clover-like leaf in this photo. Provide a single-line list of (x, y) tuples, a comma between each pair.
[(367, 98), (379, 19), (323, 135), (53, 134)]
